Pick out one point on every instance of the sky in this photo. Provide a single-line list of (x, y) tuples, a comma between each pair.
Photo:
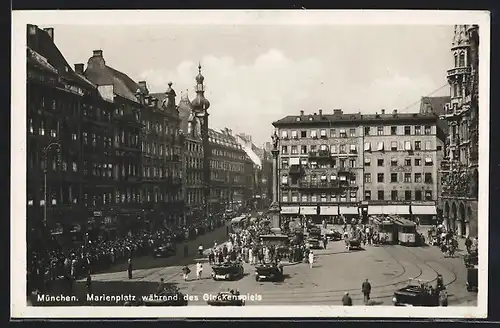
[(256, 74)]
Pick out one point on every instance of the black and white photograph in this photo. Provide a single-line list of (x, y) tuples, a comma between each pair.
[(249, 164)]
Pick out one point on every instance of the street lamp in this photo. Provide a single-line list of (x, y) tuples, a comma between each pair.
[(45, 152)]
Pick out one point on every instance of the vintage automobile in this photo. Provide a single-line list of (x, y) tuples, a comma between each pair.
[(333, 235), (226, 299), (471, 283), (420, 294), (354, 243), (314, 231), (164, 250), (268, 272), (169, 297), (314, 243), (227, 271)]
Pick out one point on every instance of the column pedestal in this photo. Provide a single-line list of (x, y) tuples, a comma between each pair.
[(274, 213)]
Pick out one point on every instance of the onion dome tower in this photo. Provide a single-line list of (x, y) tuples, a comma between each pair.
[(200, 106)]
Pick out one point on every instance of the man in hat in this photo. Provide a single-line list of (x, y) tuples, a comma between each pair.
[(346, 300)]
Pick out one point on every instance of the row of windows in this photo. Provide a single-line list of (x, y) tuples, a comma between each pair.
[(194, 147), (407, 177), (344, 133), (225, 177), (224, 143), (195, 197), (194, 163), (160, 128), (352, 163), (319, 178), (395, 162), (155, 149), (126, 138), (397, 195), (194, 178), (307, 198), (229, 154), (223, 165)]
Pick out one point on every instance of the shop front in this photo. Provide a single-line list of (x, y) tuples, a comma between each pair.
[(330, 214), (389, 210), (426, 214), (311, 213)]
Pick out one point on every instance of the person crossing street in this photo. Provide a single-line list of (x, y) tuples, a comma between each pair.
[(366, 288), (199, 270)]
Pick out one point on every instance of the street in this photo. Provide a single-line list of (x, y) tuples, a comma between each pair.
[(335, 272)]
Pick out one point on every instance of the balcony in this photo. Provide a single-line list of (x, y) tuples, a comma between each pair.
[(458, 71), (317, 185), (319, 154)]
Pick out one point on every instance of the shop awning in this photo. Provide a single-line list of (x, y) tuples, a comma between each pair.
[(423, 210), (290, 210), (348, 210), (329, 210), (403, 209), (375, 210), (308, 210)]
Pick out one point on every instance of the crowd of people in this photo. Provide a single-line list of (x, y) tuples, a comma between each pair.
[(49, 261)]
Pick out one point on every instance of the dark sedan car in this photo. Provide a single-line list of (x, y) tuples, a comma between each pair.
[(227, 271), (420, 295)]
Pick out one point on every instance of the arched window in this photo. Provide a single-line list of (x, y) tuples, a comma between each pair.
[(456, 60), (461, 60)]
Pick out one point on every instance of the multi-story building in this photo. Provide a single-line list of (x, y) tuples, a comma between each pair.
[(460, 178), (70, 131), (161, 157), (351, 164), (230, 172), (124, 203)]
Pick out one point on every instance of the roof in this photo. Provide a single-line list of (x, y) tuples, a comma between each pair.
[(183, 107), (39, 61), (353, 118), (434, 104), (249, 149), (42, 44)]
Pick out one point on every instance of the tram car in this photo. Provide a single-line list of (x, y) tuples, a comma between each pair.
[(407, 232), (385, 230)]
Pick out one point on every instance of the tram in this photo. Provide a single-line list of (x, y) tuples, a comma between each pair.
[(385, 230), (407, 232)]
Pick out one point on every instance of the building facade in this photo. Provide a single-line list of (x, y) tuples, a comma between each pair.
[(459, 170), (351, 164)]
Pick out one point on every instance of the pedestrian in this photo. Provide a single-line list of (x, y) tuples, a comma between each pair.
[(468, 244), (346, 300), (200, 250), (366, 288), (130, 268), (88, 284), (161, 287), (199, 270), (325, 242), (211, 257), (311, 259), (186, 249), (185, 272)]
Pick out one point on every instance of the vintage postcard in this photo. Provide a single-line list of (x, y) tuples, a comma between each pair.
[(250, 164)]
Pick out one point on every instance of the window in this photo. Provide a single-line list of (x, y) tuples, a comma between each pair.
[(342, 163), (407, 177), (85, 138), (428, 161), (368, 178), (284, 198), (352, 163), (303, 149), (407, 145), (41, 130), (368, 194), (394, 161), (284, 149), (368, 146), (304, 198), (427, 129), (323, 197), (428, 177), (333, 133), (284, 164), (380, 195), (418, 161), (439, 148), (368, 161), (284, 133), (284, 179), (352, 149), (294, 150), (394, 130), (314, 198), (295, 198), (394, 195), (394, 145), (407, 130), (380, 130), (407, 161), (342, 149), (418, 177), (418, 130), (333, 149), (380, 177), (303, 134), (428, 145), (394, 177), (342, 133), (352, 132), (380, 162), (461, 60), (428, 195), (418, 145), (380, 146), (323, 147), (407, 194), (367, 130), (353, 196), (294, 134), (323, 133), (314, 134)]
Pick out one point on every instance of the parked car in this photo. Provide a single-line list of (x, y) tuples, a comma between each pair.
[(420, 294)]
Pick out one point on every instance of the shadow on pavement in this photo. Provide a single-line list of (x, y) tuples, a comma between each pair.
[(117, 293)]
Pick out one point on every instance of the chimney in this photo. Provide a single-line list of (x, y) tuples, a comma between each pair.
[(337, 112), (302, 113), (395, 111), (32, 29), (315, 114), (97, 53), (79, 68), (50, 32), (383, 111), (320, 112)]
